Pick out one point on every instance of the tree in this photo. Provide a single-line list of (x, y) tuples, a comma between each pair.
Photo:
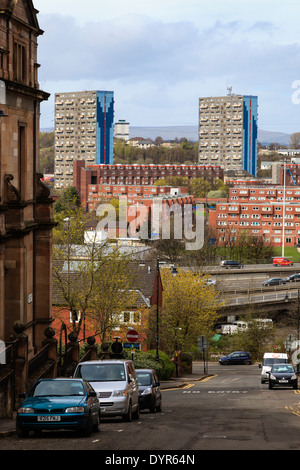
[(199, 187), (111, 296), (90, 279), (190, 309), (295, 140), (67, 200)]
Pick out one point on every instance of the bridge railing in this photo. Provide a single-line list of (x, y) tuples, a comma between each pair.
[(285, 296)]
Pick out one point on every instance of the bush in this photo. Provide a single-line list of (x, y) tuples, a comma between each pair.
[(168, 366), (146, 360)]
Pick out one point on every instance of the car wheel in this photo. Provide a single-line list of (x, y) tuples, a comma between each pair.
[(97, 424), (89, 427), (128, 416), (136, 413), (152, 407), (21, 432)]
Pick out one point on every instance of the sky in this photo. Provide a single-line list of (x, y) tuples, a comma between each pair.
[(160, 56)]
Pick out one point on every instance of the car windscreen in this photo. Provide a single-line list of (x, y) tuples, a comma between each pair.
[(271, 360), (101, 372), (283, 369), (57, 388), (144, 378)]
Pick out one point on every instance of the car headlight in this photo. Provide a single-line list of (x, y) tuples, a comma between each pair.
[(119, 393), (294, 377), (147, 391), (272, 377), (75, 409), (25, 410)]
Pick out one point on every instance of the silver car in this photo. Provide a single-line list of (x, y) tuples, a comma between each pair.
[(116, 386)]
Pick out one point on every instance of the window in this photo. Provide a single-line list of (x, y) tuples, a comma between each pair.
[(20, 62)]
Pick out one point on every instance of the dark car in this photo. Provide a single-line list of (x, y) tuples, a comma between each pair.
[(231, 264), (55, 404), (274, 281), (283, 375), (293, 278), (149, 390), (236, 357)]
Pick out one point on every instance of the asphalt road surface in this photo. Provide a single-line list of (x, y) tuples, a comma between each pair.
[(231, 410)]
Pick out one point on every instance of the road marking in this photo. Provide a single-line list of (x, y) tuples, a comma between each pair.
[(208, 378), (188, 386)]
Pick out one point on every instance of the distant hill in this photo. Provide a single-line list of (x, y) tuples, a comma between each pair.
[(191, 133)]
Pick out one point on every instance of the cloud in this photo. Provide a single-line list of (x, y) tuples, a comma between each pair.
[(161, 68)]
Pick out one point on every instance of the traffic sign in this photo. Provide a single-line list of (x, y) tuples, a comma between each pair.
[(132, 336)]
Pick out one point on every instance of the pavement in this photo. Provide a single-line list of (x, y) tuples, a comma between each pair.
[(8, 426)]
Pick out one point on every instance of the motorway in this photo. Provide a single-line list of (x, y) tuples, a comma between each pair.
[(240, 286), (230, 410)]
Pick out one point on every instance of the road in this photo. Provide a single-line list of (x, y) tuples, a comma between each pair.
[(231, 410)]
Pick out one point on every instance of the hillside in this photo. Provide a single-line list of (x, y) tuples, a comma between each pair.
[(191, 133)]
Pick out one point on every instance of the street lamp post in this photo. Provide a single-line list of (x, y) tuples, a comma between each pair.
[(157, 310), (283, 207), (298, 329)]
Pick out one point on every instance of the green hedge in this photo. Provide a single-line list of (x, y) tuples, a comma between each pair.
[(146, 360)]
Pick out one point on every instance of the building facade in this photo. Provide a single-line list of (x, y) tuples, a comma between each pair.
[(228, 132), (25, 206), (98, 177), (259, 211), (84, 129), (121, 130)]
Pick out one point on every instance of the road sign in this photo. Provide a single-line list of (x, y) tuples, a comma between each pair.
[(117, 348), (202, 343), (132, 336)]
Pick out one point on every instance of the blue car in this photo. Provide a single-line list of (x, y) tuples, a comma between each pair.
[(236, 357), (55, 404)]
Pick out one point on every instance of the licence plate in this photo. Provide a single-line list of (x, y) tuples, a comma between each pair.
[(282, 381), (48, 418)]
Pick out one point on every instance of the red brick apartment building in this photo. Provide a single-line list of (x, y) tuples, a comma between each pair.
[(87, 176), (292, 174), (259, 211)]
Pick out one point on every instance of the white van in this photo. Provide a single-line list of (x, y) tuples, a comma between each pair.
[(116, 386), (268, 360)]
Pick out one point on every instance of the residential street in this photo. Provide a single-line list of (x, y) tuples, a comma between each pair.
[(230, 410)]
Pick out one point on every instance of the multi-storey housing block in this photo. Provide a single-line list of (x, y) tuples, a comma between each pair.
[(228, 132), (83, 130), (98, 176), (260, 211)]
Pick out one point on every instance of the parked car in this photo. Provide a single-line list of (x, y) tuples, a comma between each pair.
[(283, 375), (231, 264), (210, 282), (293, 278), (116, 385), (274, 281), (236, 357), (149, 390), (282, 262), (269, 360), (54, 404)]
